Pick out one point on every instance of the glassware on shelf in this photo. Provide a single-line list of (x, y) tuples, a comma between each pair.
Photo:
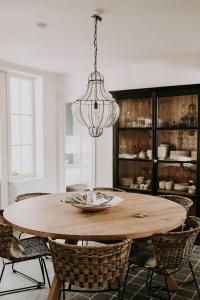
[(141, 121), (190, 118), (123, 149), (149, 154), (128, 122)]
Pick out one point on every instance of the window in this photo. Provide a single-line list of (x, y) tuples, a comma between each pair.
[(77, 152), (21, 126)]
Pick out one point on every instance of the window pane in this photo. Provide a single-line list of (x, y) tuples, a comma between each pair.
[(27, 159), (14, 96), (15, 153), (21, 127), (26, 130), (26, 97), (15, 130)]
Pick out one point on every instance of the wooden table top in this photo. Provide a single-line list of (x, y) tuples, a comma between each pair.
[(47, 216)]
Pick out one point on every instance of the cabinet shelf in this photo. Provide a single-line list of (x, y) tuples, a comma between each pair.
[(177, 128), (136, 159), (160, 160), (129, 189), (135, 128), (176, 161), (178, 193)]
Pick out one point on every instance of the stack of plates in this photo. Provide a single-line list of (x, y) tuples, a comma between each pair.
[(181, 186), (125, 181), (127, 155), (175, 154)]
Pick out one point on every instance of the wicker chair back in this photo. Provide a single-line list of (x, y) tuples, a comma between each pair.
[(90, 266), (173, 249)]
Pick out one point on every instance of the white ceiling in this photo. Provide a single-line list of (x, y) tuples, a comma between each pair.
[(131, 31)]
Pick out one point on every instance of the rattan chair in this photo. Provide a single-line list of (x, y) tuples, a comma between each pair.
[(184, 201), (13, 251), (107, 189), (172, 251), (27, 196), (90, 268)]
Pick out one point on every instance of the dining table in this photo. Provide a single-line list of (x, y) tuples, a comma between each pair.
[(137, 216)]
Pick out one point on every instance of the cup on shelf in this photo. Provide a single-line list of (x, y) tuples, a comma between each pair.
[(162, 152), (194, 155), (134, 124), (141, 121), (145, 186), (169, 185), (160, 122), (142, 155), (147, 122), (162, 184), (140, 179), (148, 182), (149, 154), (191, 189)]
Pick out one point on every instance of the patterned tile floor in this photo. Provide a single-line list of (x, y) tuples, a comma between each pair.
[(135, 287)]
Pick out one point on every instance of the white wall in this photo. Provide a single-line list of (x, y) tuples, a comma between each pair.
[(54, 95), (140, 75)]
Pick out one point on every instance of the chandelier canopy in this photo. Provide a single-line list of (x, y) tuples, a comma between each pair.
[(96, 109)]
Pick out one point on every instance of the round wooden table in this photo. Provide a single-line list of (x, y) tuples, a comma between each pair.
[(47, 216)]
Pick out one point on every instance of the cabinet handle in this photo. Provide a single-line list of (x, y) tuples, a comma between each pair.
[(155, 160)]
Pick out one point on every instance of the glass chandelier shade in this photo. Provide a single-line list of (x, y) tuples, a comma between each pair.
[(96, 109)]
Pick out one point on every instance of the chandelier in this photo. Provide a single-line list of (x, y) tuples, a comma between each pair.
[(96, 109)]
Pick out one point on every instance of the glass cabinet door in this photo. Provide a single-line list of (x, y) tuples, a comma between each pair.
[(177, 144), (135, 112), (178, 111), (135, 144)]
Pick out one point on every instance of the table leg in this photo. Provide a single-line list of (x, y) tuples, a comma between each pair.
[(53, 293)]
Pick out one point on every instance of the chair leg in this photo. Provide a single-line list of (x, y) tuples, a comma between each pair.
[(47, 275), (125, 282), (39, 283), (119, 292), (150, 281), (42, 269), (2, 271), (194, 277), (59, 295), (147, 279), (167, 288), (63, 291), (17, 290)]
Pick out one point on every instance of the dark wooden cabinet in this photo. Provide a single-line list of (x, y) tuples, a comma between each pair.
[(157, 141)]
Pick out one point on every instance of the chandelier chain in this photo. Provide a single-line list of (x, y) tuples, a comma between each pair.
[(95, 43)]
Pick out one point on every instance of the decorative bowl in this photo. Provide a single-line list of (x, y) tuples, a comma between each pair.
[(102, 202)]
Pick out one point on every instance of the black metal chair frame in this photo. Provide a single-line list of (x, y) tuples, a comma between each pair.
[(39, 284), (69, 289), (152, 289)]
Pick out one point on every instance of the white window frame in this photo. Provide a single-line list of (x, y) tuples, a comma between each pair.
[(33, 173)]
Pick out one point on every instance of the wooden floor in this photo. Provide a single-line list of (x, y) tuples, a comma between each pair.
[(135, 287)]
